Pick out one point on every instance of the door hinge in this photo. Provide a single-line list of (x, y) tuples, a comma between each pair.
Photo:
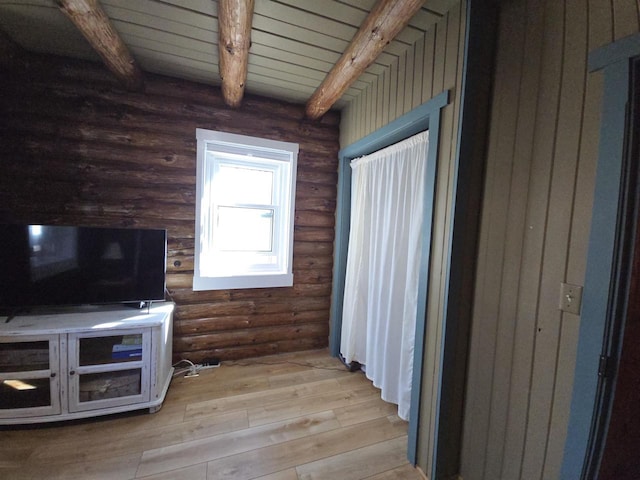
[(603, 366)]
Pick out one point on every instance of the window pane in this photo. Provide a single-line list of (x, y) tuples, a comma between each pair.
[(244, 229), (245, 211), (235, 184)]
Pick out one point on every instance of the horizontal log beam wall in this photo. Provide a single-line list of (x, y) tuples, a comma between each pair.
[(79, 149)]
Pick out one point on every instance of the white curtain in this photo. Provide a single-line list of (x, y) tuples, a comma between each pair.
[(381, 285)]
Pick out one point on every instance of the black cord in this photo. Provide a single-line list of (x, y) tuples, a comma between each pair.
[(300, 364), (166, 290)]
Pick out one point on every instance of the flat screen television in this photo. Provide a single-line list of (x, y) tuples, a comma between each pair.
[(47, 265)]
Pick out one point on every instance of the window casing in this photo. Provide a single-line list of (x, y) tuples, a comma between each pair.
[(245, 196)]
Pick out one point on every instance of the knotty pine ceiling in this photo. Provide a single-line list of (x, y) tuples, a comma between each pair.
[(294, 42)]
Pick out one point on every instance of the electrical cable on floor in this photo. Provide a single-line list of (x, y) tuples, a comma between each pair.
[(185, 361), (300, 364), (193, 369), (190, 371)]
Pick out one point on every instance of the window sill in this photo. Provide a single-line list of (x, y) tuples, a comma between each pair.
[(243, 281)]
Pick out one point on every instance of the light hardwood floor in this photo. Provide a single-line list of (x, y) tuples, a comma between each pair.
[(284, 417)]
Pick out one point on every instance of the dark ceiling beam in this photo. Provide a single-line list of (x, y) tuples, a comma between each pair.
[(383, 23), (234, 41), (89, 17)]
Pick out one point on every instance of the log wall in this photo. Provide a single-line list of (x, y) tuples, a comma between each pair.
[(78, 149)]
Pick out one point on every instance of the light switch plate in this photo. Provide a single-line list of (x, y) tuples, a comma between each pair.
[(570, 298)]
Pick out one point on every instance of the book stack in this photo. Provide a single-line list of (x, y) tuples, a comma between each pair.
[(129, 347)]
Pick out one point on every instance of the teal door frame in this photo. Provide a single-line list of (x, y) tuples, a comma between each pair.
[(475, 101), (425, 117), (601, 296)]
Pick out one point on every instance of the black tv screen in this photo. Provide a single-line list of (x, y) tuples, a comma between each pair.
[(46, 265)]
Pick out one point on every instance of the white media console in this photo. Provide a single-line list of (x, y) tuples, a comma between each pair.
[(84, 362)]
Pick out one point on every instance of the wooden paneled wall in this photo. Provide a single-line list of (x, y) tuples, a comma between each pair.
[(410, 80), (535, 227), (432, 65), (77, 149)]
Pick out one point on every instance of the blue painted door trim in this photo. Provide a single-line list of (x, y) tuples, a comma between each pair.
[(597, 302), (426, 116)]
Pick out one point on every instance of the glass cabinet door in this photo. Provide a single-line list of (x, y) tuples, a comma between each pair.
[(29, 376), (108, 369)]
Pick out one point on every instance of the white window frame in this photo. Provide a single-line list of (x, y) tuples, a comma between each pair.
[(276, 156)]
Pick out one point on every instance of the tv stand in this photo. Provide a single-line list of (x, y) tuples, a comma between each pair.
[(84, 363)]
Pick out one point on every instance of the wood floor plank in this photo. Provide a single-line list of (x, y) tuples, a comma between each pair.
[(135, 421), (263, 461), (198, 451), (406, 472), (289, 474), (13, 456), (232, 372), (14, 473), (311, 412), (361, 412), (355, 378), (358, 464), (207, 387), (114, 468), (194, 472), (253, 375), (256, 399), (307, 405), (307, 375), (89, 449)]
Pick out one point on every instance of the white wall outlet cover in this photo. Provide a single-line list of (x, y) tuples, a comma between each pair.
[(570, 298)]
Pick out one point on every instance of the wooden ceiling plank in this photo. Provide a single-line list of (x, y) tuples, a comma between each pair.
[(89, 17), (374, 71), (382, 24), (306, 20), (424, 19), (146, 50), (302, 37), (350, 16), (257, 84), (332, 9), (208, 56), (153, 55), (440, 6), (164, 37), (234, 41), (266, 88), (299, 34), (276, 74), (296, 70), (206, 7), (410, 34), (268, 50), (311, 51), (44, 29), (299, 59), (159, 14), (287, 45)]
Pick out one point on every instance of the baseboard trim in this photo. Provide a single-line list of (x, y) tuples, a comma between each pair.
[(422, 474)]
